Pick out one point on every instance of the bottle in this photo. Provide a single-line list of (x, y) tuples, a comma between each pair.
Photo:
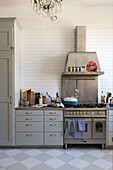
[(40, 100), (109, 98), (36, 98), (102, 98), (111, 102)]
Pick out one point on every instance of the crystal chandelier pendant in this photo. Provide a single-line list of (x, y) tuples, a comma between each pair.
[(47, 8)]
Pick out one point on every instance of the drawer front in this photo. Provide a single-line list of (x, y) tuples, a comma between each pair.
[(53, 112), (110, 113), (29, 112), (29, 118), (110, 118), (29, 138), (53, 126), (53, 118), (54, 139), (111, 126), (29, 126), (110, 138)]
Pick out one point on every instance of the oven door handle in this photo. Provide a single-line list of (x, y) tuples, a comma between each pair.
[(99, 119)]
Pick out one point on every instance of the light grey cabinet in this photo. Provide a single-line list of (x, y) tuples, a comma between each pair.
[(109, 128), (9, 68), (6, 42), (53, 127), (39, 127), (29, 127)]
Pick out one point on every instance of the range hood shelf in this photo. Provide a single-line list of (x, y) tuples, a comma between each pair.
[(82, 73)]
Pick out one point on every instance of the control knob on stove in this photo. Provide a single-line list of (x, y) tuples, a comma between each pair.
[(77, 112), (67, 113)]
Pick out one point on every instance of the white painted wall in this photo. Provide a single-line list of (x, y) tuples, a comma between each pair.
[(43, 56)]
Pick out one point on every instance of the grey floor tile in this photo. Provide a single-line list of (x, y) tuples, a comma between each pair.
[(3, 155), (67, 167), (21, 156), (65, 157), (43, 157), (88, 158), (93, 167), (17, 166), (42, 167), (108, 157)]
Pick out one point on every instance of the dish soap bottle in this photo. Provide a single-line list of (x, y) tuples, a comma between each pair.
[(102, 98)]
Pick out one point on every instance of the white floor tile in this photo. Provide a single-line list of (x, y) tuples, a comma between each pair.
[(96, 153), (31, 162), (78, 163), (7, 162), (54, 152), (75, 152), (103, 164), (54, 163), (34, 152), (13, 152)]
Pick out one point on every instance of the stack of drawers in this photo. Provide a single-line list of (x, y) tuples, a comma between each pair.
[(53, 127), (29, 127), (109, 138)]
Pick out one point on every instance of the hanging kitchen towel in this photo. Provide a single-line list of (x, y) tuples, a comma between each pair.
[(70, 129), (79, 129), (81, 125), (66, 129)]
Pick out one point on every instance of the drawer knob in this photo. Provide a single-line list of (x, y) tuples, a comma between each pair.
[(28, 113), (52, 134), (28, 124), (52, 124), (28, 118), (52, 113), (52, 118), (28, 134)]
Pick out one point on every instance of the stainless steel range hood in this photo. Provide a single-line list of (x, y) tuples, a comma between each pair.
[(85, 82), (82, 59)]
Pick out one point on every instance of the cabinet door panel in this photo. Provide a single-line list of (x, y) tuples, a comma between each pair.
[(5, 38), (5, 94)]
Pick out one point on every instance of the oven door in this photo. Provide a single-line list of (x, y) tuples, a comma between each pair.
[(99, 128), (87, 133)]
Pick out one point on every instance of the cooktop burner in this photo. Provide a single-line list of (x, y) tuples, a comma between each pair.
[(86, 106)]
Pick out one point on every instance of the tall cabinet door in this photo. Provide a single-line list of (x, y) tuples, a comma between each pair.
[(6, 109), (6, 39)]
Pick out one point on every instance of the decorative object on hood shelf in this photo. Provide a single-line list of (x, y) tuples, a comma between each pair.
[(91, 66), (47, 8)]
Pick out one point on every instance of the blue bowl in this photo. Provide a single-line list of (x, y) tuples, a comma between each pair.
[(70, 103)]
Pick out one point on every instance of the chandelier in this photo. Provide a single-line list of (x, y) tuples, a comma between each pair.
[(47, 8)]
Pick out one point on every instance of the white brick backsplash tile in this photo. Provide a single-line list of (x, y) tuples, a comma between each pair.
[(44, 52)]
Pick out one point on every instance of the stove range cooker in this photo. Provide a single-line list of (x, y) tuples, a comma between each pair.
[(95, 122)]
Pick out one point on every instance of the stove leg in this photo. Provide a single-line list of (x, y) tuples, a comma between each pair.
[(103, 147), (66, 146)]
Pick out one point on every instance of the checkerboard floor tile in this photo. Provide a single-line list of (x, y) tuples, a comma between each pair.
[(74, 158)]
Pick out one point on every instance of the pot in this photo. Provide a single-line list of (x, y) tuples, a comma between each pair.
[(70, 101)]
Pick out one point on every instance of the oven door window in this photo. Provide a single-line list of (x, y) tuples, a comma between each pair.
[(99, 127), (86, 128)]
